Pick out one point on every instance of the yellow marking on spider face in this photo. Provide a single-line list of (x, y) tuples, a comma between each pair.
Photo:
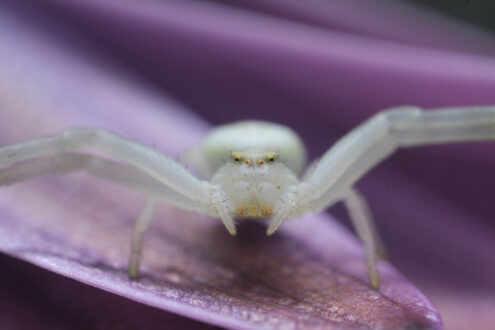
[(242, 210), (266, 211), (254, 210)]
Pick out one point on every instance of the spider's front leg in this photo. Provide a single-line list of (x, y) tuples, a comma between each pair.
[(364, 147), (137, 166), (293, 204)]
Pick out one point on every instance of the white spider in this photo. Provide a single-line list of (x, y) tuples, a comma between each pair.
[(252, 168)]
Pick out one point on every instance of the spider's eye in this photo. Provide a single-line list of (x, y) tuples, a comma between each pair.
[(271, 157), (236, 157)]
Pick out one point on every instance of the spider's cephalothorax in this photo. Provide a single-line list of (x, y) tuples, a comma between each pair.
[(260, 161), (250, 168)]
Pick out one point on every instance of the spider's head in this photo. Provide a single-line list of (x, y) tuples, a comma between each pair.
[(254, 158), (254, 181)]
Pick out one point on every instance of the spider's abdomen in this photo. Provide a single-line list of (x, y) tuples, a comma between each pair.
[(253, 136)]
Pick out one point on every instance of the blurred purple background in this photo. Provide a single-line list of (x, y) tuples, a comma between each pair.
[(320, 67)]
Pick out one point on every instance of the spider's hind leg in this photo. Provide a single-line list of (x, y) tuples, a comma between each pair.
[(142, 224), (363, 223)]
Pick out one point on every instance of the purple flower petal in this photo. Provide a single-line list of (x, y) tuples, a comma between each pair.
[(434, 205), (311, 274), (35, 298)]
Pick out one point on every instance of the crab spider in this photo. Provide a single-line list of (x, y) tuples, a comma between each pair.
[(249, 168)]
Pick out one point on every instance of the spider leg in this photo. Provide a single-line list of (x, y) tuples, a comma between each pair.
[(201, 196), (161, 167), (97, 166), (195, 158), (359, 211), (362, 221), (367, 145), (142, 223)]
